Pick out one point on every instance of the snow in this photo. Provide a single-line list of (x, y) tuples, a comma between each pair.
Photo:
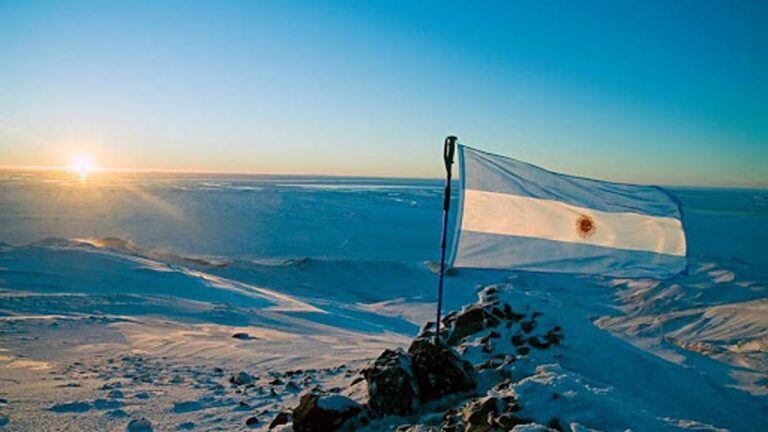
[(139, 285)]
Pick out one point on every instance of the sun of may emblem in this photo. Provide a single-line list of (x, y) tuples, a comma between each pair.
[(585, 226)]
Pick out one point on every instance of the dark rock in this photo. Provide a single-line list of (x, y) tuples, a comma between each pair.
[(392, 386), (518, 340), (511, 315), (480, 412), (554, 337), (528, 326), (523, 350), (498, 313), (510, 404), (316, 413), (469, 321), (492, 363), (280, 419), (508, 421), (252, 422), (536, 343), (439, 370), (488, 347), (115, 394), (241, 336), (276, 381), (241, 378), (139, 425), (555, 424), (491, 335), (449, 318)]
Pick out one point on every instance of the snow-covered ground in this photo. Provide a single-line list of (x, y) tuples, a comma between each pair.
[(119, 299)]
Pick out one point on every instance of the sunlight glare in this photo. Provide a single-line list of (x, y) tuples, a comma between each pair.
[(82, 165)]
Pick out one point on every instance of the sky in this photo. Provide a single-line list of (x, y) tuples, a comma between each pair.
[(637, 91)]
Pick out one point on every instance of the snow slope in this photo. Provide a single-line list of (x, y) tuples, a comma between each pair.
[(323, 274)]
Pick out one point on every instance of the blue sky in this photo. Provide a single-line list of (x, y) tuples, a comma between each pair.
[(651, 92)]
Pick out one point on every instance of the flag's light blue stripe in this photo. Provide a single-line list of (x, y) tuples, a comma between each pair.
[(482, 250), (493, 173)]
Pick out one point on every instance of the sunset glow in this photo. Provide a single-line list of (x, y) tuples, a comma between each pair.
[(81, 164)]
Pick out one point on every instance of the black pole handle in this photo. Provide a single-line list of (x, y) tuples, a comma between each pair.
[(449, 149)]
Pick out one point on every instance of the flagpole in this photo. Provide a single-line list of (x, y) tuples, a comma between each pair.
[(449, 148)]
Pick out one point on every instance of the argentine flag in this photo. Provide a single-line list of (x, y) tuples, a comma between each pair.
[(513, 215)]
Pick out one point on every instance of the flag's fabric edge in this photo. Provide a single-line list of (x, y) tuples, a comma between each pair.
[(460, 208)]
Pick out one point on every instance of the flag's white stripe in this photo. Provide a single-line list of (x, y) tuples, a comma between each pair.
[(498, 213)]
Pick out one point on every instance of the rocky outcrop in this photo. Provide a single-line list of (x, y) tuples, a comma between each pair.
[(435, 380), (319, 413), (438, 370), (392, 387)]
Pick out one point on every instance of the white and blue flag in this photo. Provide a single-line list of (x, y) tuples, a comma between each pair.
[(513, 215)]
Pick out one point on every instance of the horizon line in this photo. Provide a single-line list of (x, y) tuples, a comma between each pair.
[(290, 174)]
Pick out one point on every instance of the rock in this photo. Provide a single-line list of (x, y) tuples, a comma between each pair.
[(511, 315), (508, 421), (518, 340), (139, 425), (555, 424), (115, 394), (528, 326), (554, 336), (536, 343), (392, 386), (480, 412), (252, 422), (71, 407), (280, 419), (439, 370), (469, 321), (241, 336), (241, 378), (316, 413)]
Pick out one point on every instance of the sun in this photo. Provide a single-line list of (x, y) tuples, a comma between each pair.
[(81, 164)]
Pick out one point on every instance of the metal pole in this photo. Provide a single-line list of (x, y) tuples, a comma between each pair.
[(449, 148)]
